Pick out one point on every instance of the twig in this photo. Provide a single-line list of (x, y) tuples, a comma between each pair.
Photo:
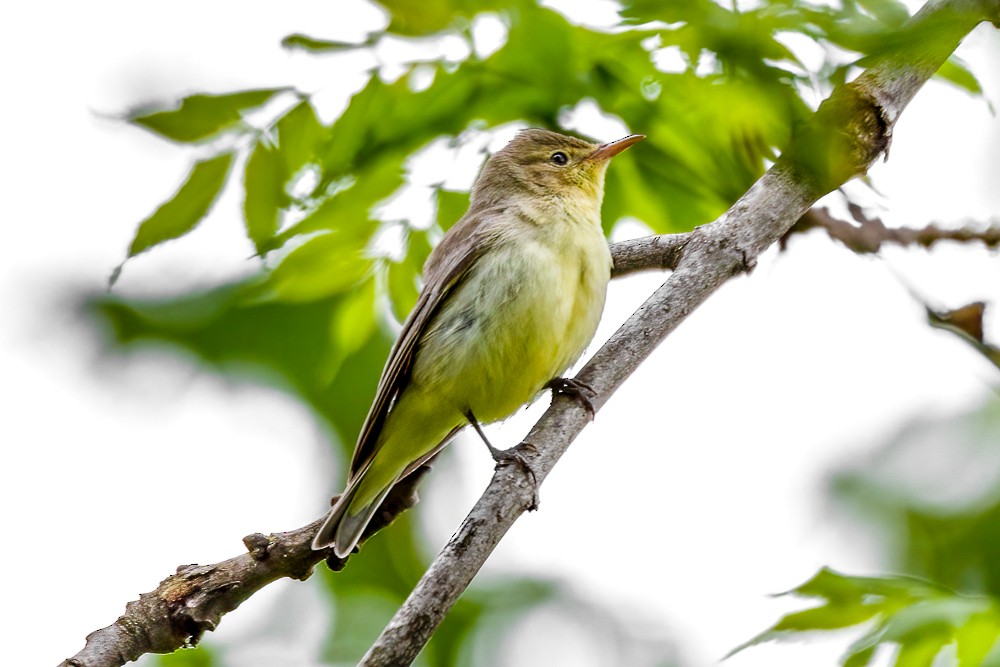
[(869, 234), (647, 253)]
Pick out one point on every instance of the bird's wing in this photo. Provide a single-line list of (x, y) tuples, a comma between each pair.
[(446, 267)]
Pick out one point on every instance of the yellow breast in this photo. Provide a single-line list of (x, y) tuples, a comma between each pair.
[(522, 316)]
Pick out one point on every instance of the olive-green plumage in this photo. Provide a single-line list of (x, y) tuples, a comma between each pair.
[(512, 296)]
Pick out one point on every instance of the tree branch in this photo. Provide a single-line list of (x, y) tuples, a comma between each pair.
[(870, 233), (848, 132), (647, 253), (194, 599)]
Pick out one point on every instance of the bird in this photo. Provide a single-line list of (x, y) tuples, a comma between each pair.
[(512, 296)]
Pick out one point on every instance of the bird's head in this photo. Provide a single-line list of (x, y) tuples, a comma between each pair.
[(544, 164)]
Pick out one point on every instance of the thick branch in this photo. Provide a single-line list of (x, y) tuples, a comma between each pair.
[(848, 132)]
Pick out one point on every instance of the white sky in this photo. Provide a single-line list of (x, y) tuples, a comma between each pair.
[(117, 473)]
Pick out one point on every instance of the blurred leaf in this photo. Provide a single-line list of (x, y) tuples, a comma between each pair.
[(277, 342), (307, 43), (956, 72), (179, 215), (351, 327), (978, 642), (403, 291), (386, 119), (264, 196), (451, 206), (354, 318), (860, 658), (887, 12), (931, 495), (918, 617), (404, 276), (431, 16), (202, 116), (271, 170), (321, 267), (967, 323), (201, 656), (300, 135), (349, 210)]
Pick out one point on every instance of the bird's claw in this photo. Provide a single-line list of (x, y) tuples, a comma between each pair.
[(581, 392)]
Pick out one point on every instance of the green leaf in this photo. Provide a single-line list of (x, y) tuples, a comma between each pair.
[(403, 277), (351, 327), (201, 656), (264, 194), (270, 168), (299, 136), (955, 72), (202, 116), (833, 586), (827, 617), (349, 210), (403, 291), (430, 16), (891, 13), (354, 318), (307, 43), (921, 652), (323, 266), (187, 207), (975, 640), (860, 658), (918, 617)]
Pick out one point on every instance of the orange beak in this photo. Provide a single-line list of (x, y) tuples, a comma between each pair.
[(613, 148)]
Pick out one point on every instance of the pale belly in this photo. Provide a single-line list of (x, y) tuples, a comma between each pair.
[(522, 317)]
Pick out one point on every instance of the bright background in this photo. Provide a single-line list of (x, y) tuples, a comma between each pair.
[(116, 472)]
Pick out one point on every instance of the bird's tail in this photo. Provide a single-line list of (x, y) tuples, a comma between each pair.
[(346, 521)]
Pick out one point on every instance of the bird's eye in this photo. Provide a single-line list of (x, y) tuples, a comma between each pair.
[(559, 158)]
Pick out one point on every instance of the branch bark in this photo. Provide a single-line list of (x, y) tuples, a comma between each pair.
[(849, 131)]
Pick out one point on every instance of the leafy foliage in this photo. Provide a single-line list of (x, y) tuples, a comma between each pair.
[(920, 619), (932, 495)]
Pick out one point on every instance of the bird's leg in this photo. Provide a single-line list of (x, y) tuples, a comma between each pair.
[(582, 392), (508, 456), (497, 454)]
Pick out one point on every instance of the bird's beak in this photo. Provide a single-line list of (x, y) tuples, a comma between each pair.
[(613, 148)]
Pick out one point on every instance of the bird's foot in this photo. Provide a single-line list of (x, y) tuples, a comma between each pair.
[(512, 456), (581, 392), (516, 456)]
